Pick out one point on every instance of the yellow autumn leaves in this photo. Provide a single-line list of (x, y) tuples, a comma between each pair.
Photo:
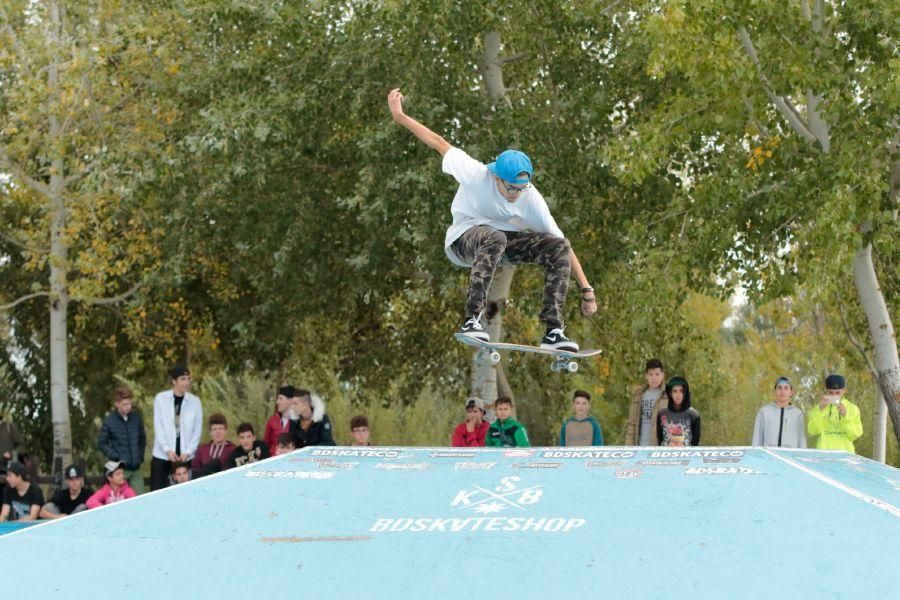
[(760, 153)]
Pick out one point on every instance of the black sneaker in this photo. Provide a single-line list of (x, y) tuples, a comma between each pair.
[(555, 339), (472, 328)]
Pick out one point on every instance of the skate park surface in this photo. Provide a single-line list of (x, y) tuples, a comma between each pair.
[(328, 522)]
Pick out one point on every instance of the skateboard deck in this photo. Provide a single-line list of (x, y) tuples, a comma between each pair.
[(489, 351)]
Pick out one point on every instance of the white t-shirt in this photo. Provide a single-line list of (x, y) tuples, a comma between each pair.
[(477, 202)]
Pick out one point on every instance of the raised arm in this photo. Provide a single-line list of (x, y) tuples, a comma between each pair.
[(427, 136)]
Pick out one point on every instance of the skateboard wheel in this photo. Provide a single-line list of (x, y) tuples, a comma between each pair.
[(495, 357), (572, 367), (480, 357)]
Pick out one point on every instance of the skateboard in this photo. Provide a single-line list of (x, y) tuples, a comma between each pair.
[(564, 360)]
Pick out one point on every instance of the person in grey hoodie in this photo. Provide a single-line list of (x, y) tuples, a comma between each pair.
[(780, 423)]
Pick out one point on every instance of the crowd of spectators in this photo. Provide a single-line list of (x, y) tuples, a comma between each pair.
[(660, 414)]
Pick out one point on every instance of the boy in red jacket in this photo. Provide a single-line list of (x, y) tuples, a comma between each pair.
[(471, 432), (279, 422)]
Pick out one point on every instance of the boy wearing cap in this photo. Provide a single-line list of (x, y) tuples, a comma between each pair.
[(835, 419), (471, 432), (780, 423), (22, 501), (499, 217), (115, 489), (581, 429), (177, 423), (123, 438), (68, 500)]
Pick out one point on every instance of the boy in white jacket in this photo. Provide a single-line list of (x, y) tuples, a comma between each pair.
[(780, 423), (177, 424)]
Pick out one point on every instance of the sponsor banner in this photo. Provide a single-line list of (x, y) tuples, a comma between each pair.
[(452, 454), (632, 473), (360, 453), (403, 466), (290, 474), (587, 454), (537, 465), (518, 453), (721, 471), (696, 453), (599, 464), (664, 462), (474, 466), (469, 524)]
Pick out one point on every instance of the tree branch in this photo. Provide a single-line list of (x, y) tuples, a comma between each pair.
[(23, 245), (784, 106), (853, 340), (7, 163), (610, 7), (23, 299), (112, 299)]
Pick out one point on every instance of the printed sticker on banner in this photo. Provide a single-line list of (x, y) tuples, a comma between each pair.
[(452, 454), (289, 474), (403, 466), (587, 454), (632, 473), (518, 453), (537, 465), (600, 464), (719, 461), (664, 462), (474, 466), (335, 464), (721, 471), (696, 453)]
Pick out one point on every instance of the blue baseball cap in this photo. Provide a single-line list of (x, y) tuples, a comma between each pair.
[(510, 165)]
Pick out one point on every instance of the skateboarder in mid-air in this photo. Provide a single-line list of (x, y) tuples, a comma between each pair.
[(499, 217)]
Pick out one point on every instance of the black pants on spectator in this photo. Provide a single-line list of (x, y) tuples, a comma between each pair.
[(160, 470)]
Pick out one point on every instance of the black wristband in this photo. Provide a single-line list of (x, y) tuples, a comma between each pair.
[(587, 289)]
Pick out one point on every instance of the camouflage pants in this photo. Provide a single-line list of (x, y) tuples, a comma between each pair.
[(487, 248)]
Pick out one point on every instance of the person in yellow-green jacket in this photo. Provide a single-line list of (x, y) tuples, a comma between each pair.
[(835, 420)]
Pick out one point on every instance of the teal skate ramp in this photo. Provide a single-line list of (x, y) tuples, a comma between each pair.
[(458, 523)]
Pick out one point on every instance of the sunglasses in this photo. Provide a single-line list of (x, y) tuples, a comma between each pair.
[(514, 189)]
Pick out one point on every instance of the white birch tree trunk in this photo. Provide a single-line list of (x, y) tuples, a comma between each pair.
[(59, 293), (881, 330), (485, 376)]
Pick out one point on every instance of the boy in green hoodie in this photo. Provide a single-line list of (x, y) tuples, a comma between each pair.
[(582, 429), (835, 420), (505, 432)]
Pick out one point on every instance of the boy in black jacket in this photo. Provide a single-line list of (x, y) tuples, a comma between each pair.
[(312, 426), (123, 438), (248, 450)]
